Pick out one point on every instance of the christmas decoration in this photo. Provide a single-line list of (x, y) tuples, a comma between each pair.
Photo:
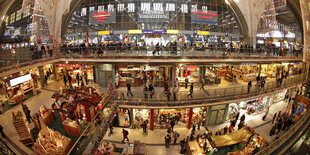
[(111, 89)]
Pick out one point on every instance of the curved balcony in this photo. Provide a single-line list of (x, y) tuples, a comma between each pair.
[(22, 57), (209, 97)]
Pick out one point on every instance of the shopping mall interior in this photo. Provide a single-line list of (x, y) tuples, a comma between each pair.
[(152, 77)]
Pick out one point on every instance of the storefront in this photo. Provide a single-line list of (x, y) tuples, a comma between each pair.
[(73, 70), (142, 75), (190, 72), (217, 114)]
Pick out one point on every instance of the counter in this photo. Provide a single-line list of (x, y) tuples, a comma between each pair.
[(71, 127), (48, 117)]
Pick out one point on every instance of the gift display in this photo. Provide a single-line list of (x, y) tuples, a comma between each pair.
[(22, 128), (51, 142)]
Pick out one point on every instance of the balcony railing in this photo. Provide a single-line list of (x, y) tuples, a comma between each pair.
[(215, 95), (24, 56), (283, 137)]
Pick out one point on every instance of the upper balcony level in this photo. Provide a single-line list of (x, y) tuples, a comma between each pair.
[(209, 95), (21, 57)]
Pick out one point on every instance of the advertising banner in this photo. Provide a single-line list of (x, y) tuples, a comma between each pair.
[(209, 17), (102, 17)]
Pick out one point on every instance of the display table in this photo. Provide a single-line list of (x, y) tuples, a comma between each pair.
[(51, 142), (241, 135), (48, 117), (194, 148), (71, 127)]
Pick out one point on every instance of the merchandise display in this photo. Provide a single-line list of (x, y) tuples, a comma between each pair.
[(81, 102), (51, 142), (22, 128)]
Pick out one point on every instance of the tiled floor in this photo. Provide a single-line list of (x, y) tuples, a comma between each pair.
[(154, 137)]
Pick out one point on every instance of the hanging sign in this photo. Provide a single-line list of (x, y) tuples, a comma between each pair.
[(209, 17), (102, 17)]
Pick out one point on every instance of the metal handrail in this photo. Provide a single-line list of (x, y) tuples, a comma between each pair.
[(277, 142), (216, 95)]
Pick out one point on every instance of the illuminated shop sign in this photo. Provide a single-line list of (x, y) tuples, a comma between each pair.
[(202, 32), (20, 80), (134, 31), (209, 17), (104, 32), (172, 31), (101, 17)]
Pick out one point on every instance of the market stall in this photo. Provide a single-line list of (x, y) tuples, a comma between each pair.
[(51, 142)]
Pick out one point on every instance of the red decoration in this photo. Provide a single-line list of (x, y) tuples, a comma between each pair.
[(190, 116), (101, 16), (204, 13)]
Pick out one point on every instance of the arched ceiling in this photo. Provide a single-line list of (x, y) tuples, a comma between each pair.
[(5, 5)]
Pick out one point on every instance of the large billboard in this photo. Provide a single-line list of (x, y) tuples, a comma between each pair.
[(102, 17), (209, 17)]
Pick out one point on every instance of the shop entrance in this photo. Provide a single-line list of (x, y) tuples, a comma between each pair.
[(105, 78), (216, 116)]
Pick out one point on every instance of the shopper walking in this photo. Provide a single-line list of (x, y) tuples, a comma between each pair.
[(203, 82), (266, 113), (167, 140), (242, 118), (128, 89), (274, 117), (111, 128), (69, 80), (168, 93), (125, 135), (65, 80), (186, 82), (77, 78), (151, 90), (191, 90), (144, 127), (249, 86), (145, 92), (172, 124), (176, 135)]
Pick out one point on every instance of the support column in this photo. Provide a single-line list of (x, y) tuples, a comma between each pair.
[(208, 116), (132, 120), (226, 112), (41, 75), (97, 73), (113, 73), (190, 117), (152, 119), (173, 75), (259, 69)]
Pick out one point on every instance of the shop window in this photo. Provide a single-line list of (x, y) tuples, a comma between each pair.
[(123, 116)]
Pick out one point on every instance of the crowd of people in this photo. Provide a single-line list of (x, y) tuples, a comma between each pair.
[(173, 47)]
